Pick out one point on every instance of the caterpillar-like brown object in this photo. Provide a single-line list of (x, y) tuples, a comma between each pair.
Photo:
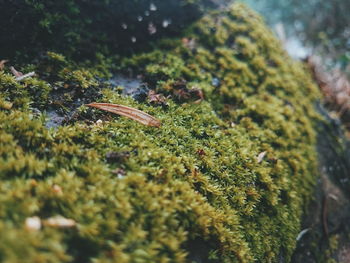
[(129, 112)]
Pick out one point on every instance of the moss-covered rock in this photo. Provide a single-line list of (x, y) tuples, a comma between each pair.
[(224, 179)]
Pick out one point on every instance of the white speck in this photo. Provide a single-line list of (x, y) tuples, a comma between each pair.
[(302, 233), (146, 13), (139, 18), (124, 26), (33, 223), (166, 23), (153, 7), (99, 122), (152, 28), (133, 39), (261, 156)]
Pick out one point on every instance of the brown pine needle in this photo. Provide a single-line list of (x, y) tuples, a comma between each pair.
[(129, 112)]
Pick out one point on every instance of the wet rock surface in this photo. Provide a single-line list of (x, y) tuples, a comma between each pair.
[(325, 231), (123, 26), (64, 102)]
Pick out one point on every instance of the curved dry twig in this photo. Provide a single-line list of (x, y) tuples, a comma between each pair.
[(129, 112)]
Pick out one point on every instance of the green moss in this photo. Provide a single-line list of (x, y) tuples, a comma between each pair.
[(196, 180)]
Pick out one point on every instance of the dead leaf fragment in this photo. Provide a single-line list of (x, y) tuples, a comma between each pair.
[(129, 112), (155, 98), (261, 156), (2, 64), (59, 221)]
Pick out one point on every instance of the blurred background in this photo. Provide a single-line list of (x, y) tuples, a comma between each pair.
[(317, 32), (312, 27)]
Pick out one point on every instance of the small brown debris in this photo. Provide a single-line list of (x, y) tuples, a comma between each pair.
[(261, 156), (2, 64), (33, 223), (201, 152), (155, 98), (19, 75), (189, 43), (33, 183), (117, 157), (183, 93), (197, 93), (119, 172), (59, 221), (129, 112), (16, 73)]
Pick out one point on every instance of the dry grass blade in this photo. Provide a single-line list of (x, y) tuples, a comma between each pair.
[(28, 75), (16, 73), (129, 112)]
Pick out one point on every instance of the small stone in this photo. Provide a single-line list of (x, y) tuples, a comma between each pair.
[(33, 223), (57, 189), (215, 82)]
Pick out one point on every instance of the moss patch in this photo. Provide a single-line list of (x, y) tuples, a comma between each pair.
[(191, 190)]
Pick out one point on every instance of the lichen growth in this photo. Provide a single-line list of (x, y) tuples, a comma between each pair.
[(193, 189)]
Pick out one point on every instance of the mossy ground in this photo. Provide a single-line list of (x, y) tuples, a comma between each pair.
[(190, 190)]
